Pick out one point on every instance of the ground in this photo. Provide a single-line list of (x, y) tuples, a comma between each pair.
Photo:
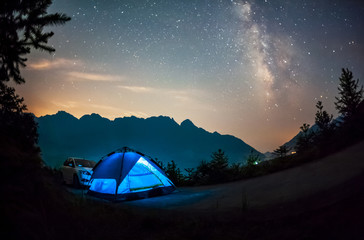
[(321, 198), (313, 179)]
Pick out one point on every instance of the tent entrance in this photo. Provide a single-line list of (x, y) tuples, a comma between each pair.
[(143, 176)]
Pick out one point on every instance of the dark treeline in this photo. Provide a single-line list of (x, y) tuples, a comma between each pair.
[(328, 136), (217, 170), (331, 135)]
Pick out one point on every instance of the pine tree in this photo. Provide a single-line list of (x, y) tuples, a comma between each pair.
[(10, 102), (219, 161), (305, 138), (253, 159), (350, 94), (322, 118), (202, 173), (281, 151), (21, 28), (190, 172), (218, 167), (174, 173)]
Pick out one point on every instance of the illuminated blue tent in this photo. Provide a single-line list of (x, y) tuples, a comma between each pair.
[(126, 174)]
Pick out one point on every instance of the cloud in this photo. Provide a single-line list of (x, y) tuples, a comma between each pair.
[(65, 104), (103, 107), (72, 66), (180, 94), (82, 76), (179, 98), (44, 64), (138, 89)]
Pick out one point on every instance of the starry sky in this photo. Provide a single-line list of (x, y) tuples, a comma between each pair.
[(252, 69)]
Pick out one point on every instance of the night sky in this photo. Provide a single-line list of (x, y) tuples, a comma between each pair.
[(252, 69)]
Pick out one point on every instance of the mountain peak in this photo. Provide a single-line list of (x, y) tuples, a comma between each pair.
[(63, 115), (91, 116), (94, 118), (187, 123)]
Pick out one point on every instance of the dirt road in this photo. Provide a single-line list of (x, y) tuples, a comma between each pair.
[(321, 182)]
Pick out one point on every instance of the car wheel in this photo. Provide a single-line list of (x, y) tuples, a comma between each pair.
[(76, 181)]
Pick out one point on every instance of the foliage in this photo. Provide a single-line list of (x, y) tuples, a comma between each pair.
[(331, 136), (219, 161), (215, 171), (323, 119), (252, 162), (281, 151), (174, 173), (189, 176), (160, 164), (218, 167), (30, 196), (9, 101), (305, 138), (21, 27), (16, 127), (310, 140), (350, 94), (253, 159), (201, 175)]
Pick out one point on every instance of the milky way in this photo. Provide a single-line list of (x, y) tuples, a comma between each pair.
[(253, 69)]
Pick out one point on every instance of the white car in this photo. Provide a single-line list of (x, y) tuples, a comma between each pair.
[(77, 171)]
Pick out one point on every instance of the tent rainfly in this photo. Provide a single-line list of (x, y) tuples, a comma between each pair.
[(126, 174)]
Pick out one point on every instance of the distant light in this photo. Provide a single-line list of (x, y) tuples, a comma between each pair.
[(293, 152)]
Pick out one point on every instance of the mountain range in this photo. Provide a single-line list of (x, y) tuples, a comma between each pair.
[(62, 135)]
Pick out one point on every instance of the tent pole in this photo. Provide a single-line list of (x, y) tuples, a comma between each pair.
[(118, 180)]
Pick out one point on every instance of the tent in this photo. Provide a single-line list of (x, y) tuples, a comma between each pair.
[(126, 174)]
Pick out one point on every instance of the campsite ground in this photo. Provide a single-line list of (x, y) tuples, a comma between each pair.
[(322, 198), (338, 173)]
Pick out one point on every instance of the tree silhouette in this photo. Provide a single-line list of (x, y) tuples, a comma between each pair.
[(190, 172), (218, 167), (305, 138), (174, 173), (219, 161), (350, 94), (214, 171), (10, 102), (201, 175), (323, 119), (252, 159), (21, 27), (281, 151)]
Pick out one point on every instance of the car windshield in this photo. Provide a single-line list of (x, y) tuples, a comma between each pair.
[(84, 163)]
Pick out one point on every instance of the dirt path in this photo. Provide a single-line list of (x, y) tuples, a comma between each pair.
[(329, 179)]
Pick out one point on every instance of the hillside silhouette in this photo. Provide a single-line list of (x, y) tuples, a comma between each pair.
[(92, 136)]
